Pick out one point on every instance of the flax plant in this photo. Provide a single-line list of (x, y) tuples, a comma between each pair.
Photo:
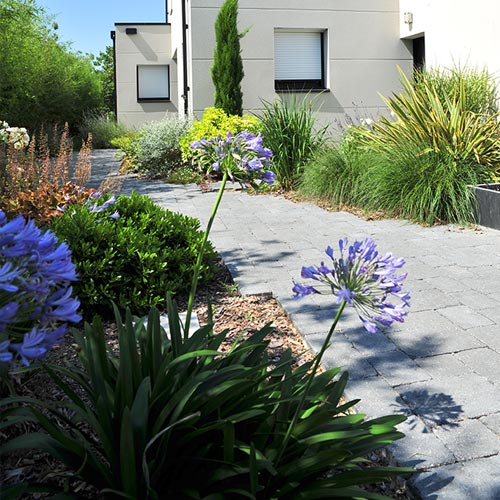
[(440, 122)]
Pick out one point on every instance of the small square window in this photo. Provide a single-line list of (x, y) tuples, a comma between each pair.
[(299, 60), (153, 82)]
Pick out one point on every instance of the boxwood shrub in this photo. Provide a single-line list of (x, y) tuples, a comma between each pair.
[(132, 252)]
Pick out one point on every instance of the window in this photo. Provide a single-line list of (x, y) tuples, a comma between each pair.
[(299, 60), (153, 82)]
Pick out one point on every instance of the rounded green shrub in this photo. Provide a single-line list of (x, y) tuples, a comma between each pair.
[(216, 122), (131, 252)]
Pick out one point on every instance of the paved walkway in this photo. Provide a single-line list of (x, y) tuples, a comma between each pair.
[(441, 367)]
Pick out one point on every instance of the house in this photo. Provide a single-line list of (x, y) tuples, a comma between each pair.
[(343, 52), (455, 33)]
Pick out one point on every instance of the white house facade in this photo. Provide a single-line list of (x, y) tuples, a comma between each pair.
[(456, 33), (342, 53)]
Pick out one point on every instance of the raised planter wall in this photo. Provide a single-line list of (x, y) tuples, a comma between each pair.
[(488, 204)]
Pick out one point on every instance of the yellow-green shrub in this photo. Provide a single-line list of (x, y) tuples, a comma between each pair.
[(213, 123)]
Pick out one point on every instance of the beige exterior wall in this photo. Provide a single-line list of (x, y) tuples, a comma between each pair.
[(457, 32), (363, 51), (151, 45)]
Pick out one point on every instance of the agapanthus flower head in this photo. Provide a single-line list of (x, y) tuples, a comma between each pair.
[(36, 272), (362, 277), (242, 156)]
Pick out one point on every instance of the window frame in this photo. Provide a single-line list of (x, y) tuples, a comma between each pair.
[(304, 85), (138, 84)]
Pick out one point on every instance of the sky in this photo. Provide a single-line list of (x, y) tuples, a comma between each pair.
[(87, 23)]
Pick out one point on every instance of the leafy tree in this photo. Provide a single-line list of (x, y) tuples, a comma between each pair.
[(104, 64), (227, 70), (41, 80)]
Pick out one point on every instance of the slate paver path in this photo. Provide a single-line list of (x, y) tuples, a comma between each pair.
[(441, 367)]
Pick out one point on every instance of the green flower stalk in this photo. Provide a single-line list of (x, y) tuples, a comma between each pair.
[(239, 157)]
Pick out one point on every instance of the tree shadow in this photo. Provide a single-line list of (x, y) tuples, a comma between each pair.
[(435, 409), (429, 484)]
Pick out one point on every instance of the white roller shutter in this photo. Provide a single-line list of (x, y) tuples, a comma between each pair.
[(297, 55), (153, 82)]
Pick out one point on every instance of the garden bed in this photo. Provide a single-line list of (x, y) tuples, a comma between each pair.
[(242, 315)]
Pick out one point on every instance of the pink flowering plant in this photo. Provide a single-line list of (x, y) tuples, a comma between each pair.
[(36, 300)]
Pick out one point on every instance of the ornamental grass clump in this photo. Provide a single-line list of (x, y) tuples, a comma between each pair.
[(36, 300), (421, 161), (290, 130)]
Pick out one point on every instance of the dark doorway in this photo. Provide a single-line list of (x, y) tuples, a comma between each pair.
[(419, 53)]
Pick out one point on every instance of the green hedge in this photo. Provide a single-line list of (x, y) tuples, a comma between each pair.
[(135, 259)]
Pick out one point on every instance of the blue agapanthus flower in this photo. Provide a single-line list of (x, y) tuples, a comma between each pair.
[(36, 300), (370, 282), (242, 156)]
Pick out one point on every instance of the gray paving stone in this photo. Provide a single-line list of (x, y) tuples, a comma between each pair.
[(397, 368), (465, 317), (420, 448), (474, 480), (343, 354), (441, 401), (431, 300), (484, 361), (484, 285), (469, 439), (492, 422), (488, 335), (444, 366), (429, 334), (370, 344), (447, 282), (493, 314), (377, 397), (476, 300)]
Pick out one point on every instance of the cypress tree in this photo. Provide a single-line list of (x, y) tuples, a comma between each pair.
[(227, 70)]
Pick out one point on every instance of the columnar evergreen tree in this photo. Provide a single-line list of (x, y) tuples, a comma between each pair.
[(227, 71)]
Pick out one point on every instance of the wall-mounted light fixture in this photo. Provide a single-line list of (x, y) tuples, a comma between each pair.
[(408, 18), (131, 31)]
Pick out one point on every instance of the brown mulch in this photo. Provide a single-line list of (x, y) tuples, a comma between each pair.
[(242, 315)]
